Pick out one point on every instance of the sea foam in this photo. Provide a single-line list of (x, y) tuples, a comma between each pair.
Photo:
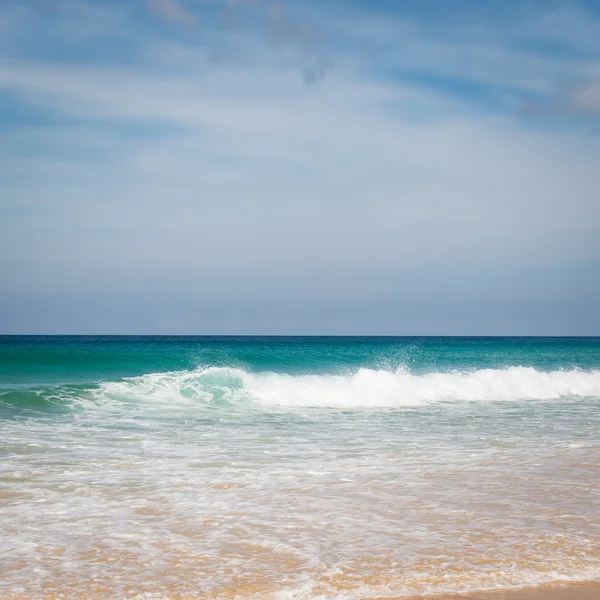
[(366, 388)]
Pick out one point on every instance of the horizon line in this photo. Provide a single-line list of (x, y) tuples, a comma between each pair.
[(293, 335)]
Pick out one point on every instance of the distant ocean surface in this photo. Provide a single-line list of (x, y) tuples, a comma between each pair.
[(296, 468)]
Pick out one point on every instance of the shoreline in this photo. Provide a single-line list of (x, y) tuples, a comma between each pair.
[(585, 590), (588, 590)]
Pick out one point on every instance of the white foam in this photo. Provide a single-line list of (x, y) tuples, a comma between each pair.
[(364, 389)]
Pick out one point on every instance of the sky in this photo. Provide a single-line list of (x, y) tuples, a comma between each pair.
[(385, 167)]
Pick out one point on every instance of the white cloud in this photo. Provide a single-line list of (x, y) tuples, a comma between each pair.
[(294, 161)]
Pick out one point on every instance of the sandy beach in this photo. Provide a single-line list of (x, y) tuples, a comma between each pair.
[(567, 591)]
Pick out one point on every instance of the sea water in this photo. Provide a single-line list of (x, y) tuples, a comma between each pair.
[(280, 467)]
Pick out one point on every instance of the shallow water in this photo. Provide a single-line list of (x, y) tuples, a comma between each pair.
[(296, 467)]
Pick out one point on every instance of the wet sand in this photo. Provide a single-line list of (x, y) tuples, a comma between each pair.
[(570, 591), (576, 591)]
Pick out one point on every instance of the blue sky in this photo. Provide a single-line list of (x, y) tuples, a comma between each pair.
[(242, 166)]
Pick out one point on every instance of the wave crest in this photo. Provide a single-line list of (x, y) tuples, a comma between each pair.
[(366, 388)]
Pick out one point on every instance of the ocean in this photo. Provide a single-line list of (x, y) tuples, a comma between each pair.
[(296, 467)]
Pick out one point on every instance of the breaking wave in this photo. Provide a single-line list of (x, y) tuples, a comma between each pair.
[(365, 388)]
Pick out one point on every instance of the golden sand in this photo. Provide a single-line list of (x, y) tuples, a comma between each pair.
[(554, 591)]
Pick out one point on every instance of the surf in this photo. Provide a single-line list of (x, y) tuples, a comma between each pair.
[(363, 389)]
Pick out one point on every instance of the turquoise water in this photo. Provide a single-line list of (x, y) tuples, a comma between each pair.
[(296, 467), (73, 358)]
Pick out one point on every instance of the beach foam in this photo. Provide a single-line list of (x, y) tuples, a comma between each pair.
[(365, 388)]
